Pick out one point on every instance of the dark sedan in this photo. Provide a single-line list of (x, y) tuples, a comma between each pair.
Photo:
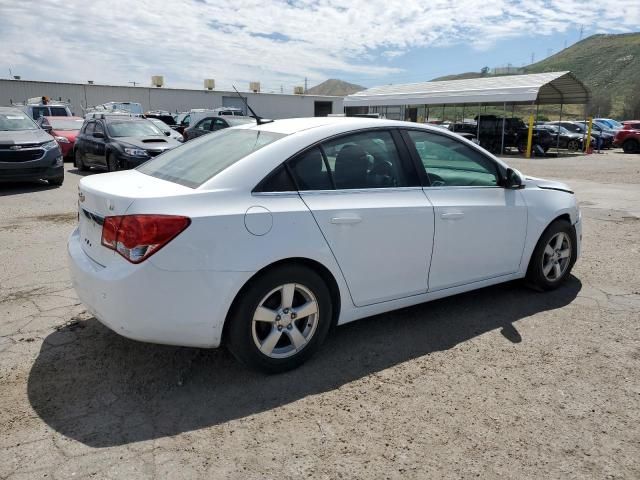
[(212, 124), (572, 141), (117, 143)]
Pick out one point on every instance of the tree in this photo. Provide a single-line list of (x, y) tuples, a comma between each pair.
[(484, 71), (600, 105), (631, 109)]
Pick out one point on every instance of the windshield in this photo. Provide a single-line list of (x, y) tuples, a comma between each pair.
[(200, 160), (10, 122), (61, 123), (160, 124), (142, 128)]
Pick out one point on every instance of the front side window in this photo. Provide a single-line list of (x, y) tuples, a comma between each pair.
[(450, 163), (99, 128), (205, 124), (201, 159), (310, 171), (39, 112), (219, 124), (89, 129)]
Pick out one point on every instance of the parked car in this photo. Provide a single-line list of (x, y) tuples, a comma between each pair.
[(212, 124), (45, 108), (263, 237), (166, 129), (118, 142), (581, 128), (608, 123), (133, 108), (629, 136), (572, 141), (515, 133), (165, 116), (26, 151), (605, 134), (64, 130)]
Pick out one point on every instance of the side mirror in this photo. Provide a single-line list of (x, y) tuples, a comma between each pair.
[(98, 135), (513, 180), (167, 133), (47, 128)]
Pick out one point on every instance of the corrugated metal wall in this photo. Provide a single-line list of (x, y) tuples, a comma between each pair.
[(80, 95)]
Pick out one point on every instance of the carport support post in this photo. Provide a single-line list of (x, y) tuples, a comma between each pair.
[(443, 105), (504, 120), (462, 116), (478, 122), (455, 112), (558, 139), (426, 120)]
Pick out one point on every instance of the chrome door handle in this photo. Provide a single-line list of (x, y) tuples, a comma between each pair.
[(452, 215), (346, 220)]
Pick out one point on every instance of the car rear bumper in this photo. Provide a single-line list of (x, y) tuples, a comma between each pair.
[(149, 304)]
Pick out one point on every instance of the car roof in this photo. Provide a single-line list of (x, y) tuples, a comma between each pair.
[(55, 117), (293, 125)]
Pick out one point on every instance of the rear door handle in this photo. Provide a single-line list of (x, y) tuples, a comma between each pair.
[(452, 215), (346, 220)]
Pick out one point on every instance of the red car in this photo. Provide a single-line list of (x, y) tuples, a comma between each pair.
[(629, 137), (64, 130)]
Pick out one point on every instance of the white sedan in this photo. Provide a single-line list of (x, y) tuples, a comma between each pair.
[(263, 236)]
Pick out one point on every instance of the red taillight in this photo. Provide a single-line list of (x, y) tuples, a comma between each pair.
[(137, 237)]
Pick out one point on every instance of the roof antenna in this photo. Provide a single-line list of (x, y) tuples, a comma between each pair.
[(259, 120)]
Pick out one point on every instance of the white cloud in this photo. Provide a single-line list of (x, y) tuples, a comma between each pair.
[(275, 42)]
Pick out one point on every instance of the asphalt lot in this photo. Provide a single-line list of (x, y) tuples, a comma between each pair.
[(502, 382)]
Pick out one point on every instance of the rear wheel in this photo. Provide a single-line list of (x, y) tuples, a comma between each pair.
[(553, 257), (573, 145), (280, 320), (79, 161), (112, 163), (631, 146)]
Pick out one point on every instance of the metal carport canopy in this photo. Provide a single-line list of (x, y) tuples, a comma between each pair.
[(540, 88)]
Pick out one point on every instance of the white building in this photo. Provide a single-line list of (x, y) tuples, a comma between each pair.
[(80, 96)]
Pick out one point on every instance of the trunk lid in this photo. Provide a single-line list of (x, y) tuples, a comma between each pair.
[(110, 194)]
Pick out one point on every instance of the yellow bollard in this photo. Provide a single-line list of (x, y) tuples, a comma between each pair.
[(530, 136), (588, 144)]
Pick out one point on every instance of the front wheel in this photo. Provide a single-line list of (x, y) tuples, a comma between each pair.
[(79, 161), (280, 319), (631, 146), (112, 163), (573, 145), (553, 257)]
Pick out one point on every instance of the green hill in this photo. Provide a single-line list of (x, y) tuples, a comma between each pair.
[(332, 86), (608, 64)]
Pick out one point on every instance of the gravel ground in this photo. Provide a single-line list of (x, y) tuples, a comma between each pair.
[(502, 382)]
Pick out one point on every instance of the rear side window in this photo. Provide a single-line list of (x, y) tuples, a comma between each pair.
[(205, 124), (201, 159), (58, 111), (450, 163), (90, 128)]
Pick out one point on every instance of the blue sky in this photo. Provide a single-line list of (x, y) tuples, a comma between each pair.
[(280, 43)]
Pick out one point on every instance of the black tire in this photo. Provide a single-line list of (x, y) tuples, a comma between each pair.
[(573, 145), (56, 181), (78, 161), (536, 277), (631, 146), (112, 163), (240, 333)]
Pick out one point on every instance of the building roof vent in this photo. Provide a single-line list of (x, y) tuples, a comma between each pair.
[(254, 87), (298, 90), (157, 81), (209, 83)]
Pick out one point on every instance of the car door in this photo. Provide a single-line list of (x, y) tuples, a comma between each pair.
[(84, 143), (365, 196), (480, 227), (219, 124), (98, 145)]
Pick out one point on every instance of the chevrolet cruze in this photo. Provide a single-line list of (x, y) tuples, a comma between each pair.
[(261, 237)]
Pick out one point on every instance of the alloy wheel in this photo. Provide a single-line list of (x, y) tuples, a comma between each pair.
[(556, 256), (285, 320)]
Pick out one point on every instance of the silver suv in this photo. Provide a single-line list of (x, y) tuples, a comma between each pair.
[(26, 151)]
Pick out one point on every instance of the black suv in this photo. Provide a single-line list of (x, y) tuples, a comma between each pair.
[(26, 151), (118, 142)]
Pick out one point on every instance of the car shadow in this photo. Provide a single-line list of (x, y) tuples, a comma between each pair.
[(16, 188), (101, 389), (82, 173)]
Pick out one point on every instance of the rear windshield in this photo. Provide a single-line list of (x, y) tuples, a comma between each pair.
[(61, 123), (201, 159), (142, 128)]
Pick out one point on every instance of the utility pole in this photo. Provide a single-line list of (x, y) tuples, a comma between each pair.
[(305, 84), (533, 57), (581, 32), (281, 88), (134, 83)]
